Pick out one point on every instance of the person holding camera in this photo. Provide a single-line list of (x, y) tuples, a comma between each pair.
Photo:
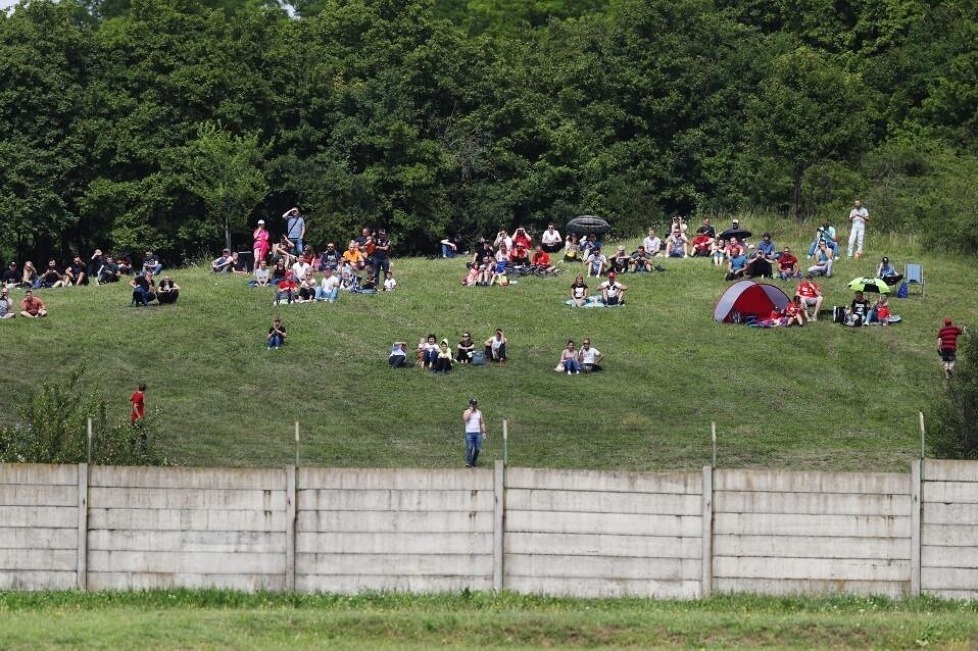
[(475, 433)]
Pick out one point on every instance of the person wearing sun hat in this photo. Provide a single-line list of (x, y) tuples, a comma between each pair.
[(475, 432), (261, 244)]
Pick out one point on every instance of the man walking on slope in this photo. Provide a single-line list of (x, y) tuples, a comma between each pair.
[(947, 345)]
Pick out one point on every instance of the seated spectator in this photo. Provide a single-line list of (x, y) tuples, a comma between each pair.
[(30, 277), (349, 280), (888, 273), (590, 358), (736, 264), (597, 262), (223, 263), (32, 307), (652, 244), (301, 270), (522, 238), (75, 273), (483, 250), (369, 285), (398, 356), (109, 271), (284, 250), (520, 257), (449, 247), (307, 286), (354, 257), (329, 287), (572, 249), (95, 263), (795, 313), (825, 233), (52, 276), (262, 275), (858, 311), (718, 251), (588, 244), (612, 291), (758, 266), (125, 264), (143, 289), (502, 237), (734, 246), (465, 349), (11, 277), (621, 261), (578, 291), (677, 244), (550, 239), (428, 352), (286, 291), (443, 360), (641, 260), (151, 263), (389, 283), (330, 259), (766, 246), (787, 265), (569, 361), (168, 291), (238, 265), (880, 312), (495, 347), (276, 335), (701, 245), (824, 258), (6, 305), (811, 297), (278, 272), (681, 224)]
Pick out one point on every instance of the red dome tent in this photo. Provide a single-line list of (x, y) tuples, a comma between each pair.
[(747, 298)]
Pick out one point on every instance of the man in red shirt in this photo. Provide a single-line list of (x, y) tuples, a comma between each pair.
[(31, 306), (811, 295), (947, 345), (787, 265), (541, 260), (701, 244)]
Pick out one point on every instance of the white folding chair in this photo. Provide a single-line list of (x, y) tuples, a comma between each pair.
[(915, 276)]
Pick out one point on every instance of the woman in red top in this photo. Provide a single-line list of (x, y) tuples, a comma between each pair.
[(138, 400)]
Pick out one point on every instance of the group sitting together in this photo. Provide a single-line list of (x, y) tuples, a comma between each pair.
[(439, 357)]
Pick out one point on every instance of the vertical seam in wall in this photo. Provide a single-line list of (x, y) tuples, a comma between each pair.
[(291, 481), (81, 578), (499, 523), (916, 525), (706, 581)]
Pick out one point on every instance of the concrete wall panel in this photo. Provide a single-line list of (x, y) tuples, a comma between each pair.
[(604, 481)]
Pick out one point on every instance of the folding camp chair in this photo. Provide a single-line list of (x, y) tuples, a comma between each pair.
[(915, 276)]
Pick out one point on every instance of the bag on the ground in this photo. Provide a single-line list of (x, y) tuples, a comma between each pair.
[(478, 358), (839, 314)]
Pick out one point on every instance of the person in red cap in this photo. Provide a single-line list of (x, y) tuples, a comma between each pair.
[(947, 345), (612, 291)]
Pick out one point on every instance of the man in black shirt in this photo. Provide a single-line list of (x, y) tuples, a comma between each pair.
[(858, 310)]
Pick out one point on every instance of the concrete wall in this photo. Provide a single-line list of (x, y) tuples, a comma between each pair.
[(561, 532)]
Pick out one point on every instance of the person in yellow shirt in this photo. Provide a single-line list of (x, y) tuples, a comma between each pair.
[(355, 256)]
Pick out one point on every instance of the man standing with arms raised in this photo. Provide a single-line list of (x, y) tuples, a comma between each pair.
[(475, 432)]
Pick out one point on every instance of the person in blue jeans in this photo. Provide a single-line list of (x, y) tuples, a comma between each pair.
[(475, 433), (276, 334)]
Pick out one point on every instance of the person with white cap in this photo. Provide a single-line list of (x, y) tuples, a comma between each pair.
[(475, 432), (261, 244)]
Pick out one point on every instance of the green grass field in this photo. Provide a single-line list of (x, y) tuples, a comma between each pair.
[(820, 397), (220, 620)]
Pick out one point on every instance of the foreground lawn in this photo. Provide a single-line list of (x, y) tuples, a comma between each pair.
[(820, 397), (220, 620)]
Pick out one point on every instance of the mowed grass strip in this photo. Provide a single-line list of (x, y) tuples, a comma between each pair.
[(221, 620), (820, 397)]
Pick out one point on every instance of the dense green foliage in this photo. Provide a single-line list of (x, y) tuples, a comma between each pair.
[(955, 417), (214, 619), (119, 118)]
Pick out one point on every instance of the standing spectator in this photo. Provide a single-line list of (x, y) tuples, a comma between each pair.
[(276, 334), (260, 243), (138, 400), (589, 357), (382, 255), (550, 239), (168, 291), (295, 228), (475, 433), (858, 217), (151, 262), (6, 305), (495, 347), (32, 307), (947, 345)]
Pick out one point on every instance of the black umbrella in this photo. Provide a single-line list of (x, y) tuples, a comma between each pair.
[(587, 224), (740, 233)]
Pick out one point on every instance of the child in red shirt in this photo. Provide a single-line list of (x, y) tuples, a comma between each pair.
[(138, 400)]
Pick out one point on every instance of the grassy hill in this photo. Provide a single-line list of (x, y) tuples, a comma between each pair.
[(819, 397)]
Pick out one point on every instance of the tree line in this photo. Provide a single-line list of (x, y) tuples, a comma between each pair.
[(176, 124)]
